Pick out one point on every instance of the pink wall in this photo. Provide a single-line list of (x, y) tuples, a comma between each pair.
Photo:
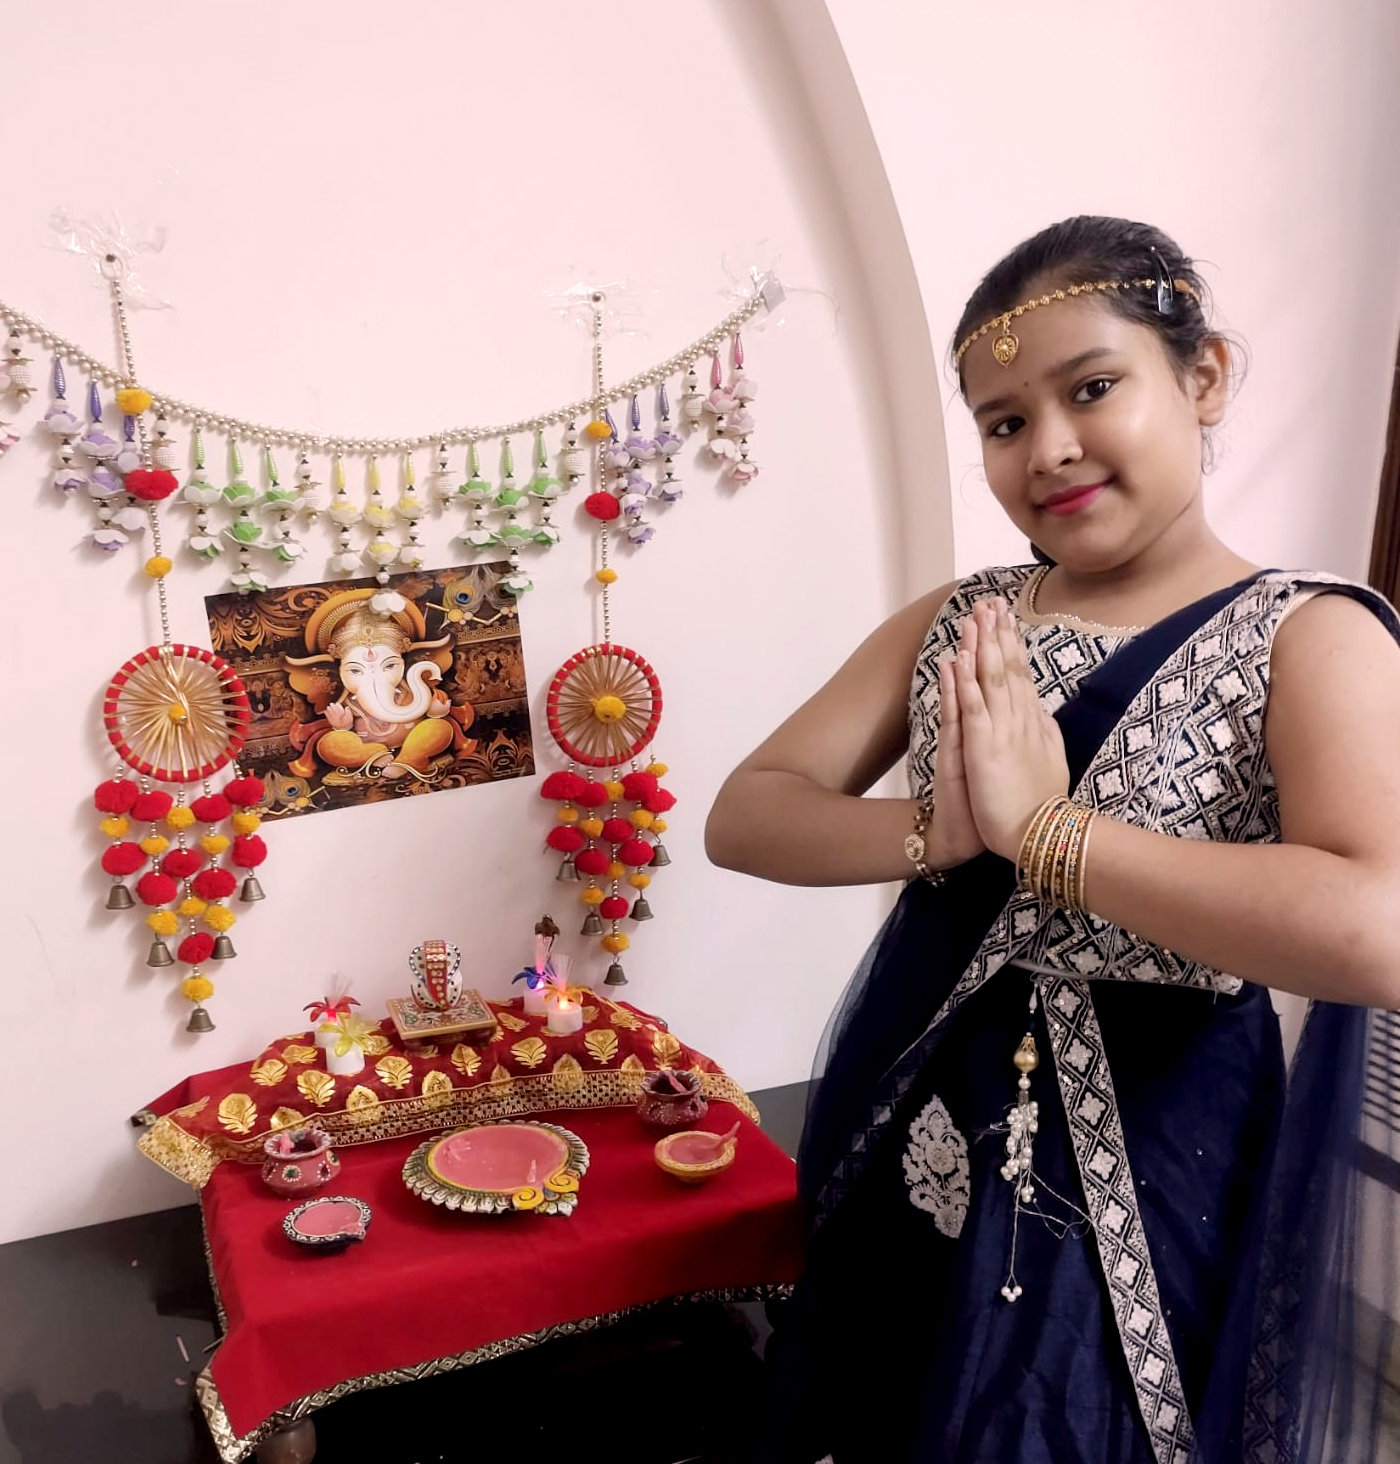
[(365, 210)]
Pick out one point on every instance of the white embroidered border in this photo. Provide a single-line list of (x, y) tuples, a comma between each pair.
[(1096, 1133)]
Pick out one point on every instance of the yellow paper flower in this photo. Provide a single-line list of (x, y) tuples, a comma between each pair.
[(354, 1032), (220, 918), (163, 922)]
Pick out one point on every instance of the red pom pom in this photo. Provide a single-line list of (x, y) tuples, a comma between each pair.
[(182, 863), (151, 484), (616, 830), (244, 792), (120, 859), (214, 884), (591, 795), (212, 808), (636, 786), (636, 852), (592, 861), (613, 908), (659, 802), (156, 889), (602, 506), (152, 807), (566, 839), (116, 795), (563, 786), (195, 949), (249, 851)]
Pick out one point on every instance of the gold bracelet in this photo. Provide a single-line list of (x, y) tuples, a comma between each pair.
[(1052, 861), (916, 847)]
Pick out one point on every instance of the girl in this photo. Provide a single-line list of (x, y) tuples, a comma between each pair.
[(1063, 1208)]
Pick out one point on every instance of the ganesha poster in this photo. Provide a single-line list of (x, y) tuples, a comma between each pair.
[(362, 692)]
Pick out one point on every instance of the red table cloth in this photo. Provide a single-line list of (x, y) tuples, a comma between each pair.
[(431, 1289)]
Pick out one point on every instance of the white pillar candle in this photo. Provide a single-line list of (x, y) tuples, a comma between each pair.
[(327, 1034), (344, 1065), (562, 1017), (536, 998)]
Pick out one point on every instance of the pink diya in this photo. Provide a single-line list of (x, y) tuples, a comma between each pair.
[(328, 1223), (298, 1161), (497, 1168), (693, 1157)]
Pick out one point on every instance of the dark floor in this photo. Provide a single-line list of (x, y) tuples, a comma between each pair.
[(91, 1371)]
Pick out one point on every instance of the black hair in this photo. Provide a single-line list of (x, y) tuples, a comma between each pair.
[(1091, 247)]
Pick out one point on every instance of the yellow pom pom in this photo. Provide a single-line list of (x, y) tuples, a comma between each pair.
[(609, 708), (641, 819), (196, 988), (158, 566), (592, 895), (657, 769), (568, 815), (615, 943), (133, 400), (658, 825), (154, 844), (616, 870), (606, 576), (592, 827), (597, 431), (214, 844), (163, 922), (192, 906), (246, 823), (639, 881), (115, 826), (220, 918), (615, 790), (179, 817)]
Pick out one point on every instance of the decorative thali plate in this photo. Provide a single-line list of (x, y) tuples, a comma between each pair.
[(499, 1168)]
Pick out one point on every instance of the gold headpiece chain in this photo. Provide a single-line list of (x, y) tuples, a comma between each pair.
[(1005, 346)]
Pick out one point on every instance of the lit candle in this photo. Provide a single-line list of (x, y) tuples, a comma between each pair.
[(536, 995), (562, 1017)]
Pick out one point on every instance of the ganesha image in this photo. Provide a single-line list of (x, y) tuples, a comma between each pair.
[(383, 715)]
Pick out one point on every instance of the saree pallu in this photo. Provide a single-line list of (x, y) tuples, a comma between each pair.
[(1187, 1301)]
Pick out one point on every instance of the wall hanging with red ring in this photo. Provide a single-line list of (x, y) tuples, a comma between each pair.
[(178, 714), (603, 708)]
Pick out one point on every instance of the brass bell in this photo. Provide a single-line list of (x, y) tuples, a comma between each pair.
[(616, 975), (159, 954), (659, 857), (252, 890), (640, 909), (200, 1021), (593, 925), (567, 871), (223, 949), (119, 897)]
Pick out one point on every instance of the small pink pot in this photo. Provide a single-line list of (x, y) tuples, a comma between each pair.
[(310, 1164)]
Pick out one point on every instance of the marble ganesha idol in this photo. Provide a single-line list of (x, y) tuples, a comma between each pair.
[(437, 975), (390, 719)]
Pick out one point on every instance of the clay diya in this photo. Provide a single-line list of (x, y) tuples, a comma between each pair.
[(500, 1168), (693, 1157), (328, 1223), (672, 1099), (298, 1161)]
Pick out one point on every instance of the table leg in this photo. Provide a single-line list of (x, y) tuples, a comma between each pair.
[(295, 1444)]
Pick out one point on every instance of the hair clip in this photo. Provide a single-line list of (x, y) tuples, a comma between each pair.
[(1166, 295)]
